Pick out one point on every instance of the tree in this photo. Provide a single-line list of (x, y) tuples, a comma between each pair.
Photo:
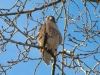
[(78, 23)]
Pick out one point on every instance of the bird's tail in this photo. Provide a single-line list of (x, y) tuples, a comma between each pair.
[(46, 57)]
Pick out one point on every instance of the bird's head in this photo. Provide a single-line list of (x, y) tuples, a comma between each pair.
[(51, 18)]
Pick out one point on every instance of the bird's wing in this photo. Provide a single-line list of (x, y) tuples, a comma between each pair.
[(42, 41), (42, 37)]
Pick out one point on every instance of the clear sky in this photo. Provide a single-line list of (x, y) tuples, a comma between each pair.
[(27, 68)]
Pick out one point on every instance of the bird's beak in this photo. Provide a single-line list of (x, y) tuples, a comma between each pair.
[(50, 18)]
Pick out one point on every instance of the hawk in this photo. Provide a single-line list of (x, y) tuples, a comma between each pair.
[(49, 37)]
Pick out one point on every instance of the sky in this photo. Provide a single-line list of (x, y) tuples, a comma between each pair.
[(27, 68)]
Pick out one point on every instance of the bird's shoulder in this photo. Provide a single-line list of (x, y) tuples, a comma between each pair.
[(43, 26)]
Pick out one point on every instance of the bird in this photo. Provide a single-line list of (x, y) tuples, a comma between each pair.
[(49, 37)]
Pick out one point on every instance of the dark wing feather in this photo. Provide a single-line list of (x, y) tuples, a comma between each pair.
[(42, 35)]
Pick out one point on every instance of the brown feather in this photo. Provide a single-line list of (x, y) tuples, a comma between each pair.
[(49, 37)]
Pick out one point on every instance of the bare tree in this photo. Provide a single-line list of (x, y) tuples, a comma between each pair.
[(80, 31)]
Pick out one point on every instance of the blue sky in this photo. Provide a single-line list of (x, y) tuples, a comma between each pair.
[(27, 68)]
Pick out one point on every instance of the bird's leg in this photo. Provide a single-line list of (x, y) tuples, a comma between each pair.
[(42, 50), (55, 49), (50, 51), (55, 53), (46, 48)]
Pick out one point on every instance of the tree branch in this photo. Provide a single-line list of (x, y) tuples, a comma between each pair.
[(32, 10)]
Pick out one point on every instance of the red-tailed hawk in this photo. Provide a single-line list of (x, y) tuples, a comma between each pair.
[(49, 37)]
